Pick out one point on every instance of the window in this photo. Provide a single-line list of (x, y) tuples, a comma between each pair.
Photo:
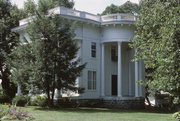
[(93, 49), (114, 55), (91, 80)]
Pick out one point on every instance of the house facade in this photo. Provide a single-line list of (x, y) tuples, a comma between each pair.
[(110, 74)]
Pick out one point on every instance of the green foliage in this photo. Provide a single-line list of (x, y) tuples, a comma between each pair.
[(21, 66), (49, 62), (177, 115), (21, 100), (54, 68), (3, 98), (31, 8), (127, 7), (38, 100), (67, 102), (157, 42), (9, 18), (13, 113), (65, 3)]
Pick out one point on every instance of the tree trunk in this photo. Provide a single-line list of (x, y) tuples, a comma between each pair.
[(49, 98), (146, 95), (52, 97)]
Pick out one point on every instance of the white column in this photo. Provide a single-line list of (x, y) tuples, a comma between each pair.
[(19, 90), (102, 70), (140, 77), (119, 70), (136, 78)]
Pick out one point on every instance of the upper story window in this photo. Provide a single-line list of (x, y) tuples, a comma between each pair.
[(114, 55), (93, 49), (91, 80)]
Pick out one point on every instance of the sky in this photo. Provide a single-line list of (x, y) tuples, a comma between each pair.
[(91, 6)]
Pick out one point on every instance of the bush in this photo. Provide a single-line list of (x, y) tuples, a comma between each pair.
[(39, 101), (68, 103), (13, 113), (177, 115), (2, 113), (4, 99), (21, 100)]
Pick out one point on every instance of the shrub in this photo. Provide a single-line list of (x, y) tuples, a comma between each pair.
[(13, 113), (39, 101), (20, 100), (4, 99), (67, 102), (3, 112), (177, 115)]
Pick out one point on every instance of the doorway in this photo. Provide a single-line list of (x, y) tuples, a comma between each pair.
[(114, 85)]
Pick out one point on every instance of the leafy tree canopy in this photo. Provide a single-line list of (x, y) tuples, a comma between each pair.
[(50, 60), (157, 42), (9, 18), (30, 6), (127, 7)]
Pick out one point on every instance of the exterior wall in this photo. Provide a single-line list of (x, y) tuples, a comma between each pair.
[(114, 33), (88, 34)]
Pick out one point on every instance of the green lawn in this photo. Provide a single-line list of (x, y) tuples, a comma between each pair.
[(96, 114)]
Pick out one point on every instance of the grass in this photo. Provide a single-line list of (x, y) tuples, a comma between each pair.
[(96, 114)]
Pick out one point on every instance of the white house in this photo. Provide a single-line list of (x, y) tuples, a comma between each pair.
[(110, 73)]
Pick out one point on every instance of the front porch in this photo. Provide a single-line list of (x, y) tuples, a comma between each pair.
[(119, 73)]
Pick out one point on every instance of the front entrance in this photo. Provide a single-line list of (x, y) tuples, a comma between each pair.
[(114, 85)]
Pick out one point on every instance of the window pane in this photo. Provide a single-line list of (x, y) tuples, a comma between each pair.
[(114, 53), (91, 80), (93, 49)]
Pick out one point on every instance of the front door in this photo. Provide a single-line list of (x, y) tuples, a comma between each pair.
[(114, 85)]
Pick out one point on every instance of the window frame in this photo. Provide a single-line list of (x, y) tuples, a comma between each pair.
[(93, 49), (91, 80), (114, 53)]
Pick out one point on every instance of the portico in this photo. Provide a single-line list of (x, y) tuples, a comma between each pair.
[(118, 72)]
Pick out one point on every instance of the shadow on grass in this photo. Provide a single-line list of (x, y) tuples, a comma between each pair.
[(101, 110)]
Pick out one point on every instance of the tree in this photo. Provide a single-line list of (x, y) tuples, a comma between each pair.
[(21, 66), (51, 63), (9, 16), (30, 6), (157, 42), (127, 7), (65, 3)]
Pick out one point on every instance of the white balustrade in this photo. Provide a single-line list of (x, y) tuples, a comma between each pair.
[(81, 14), (118, 17), (92, 17)]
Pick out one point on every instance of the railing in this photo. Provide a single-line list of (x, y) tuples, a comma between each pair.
[(118, 17), (70, 12), (92, 17), (25, 21), (85, 15)]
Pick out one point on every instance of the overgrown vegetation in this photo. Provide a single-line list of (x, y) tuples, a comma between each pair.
[(21, 100), (157, 42), (39, 100), (127, 7), (50, 60), (14, 113), (9, 18)]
